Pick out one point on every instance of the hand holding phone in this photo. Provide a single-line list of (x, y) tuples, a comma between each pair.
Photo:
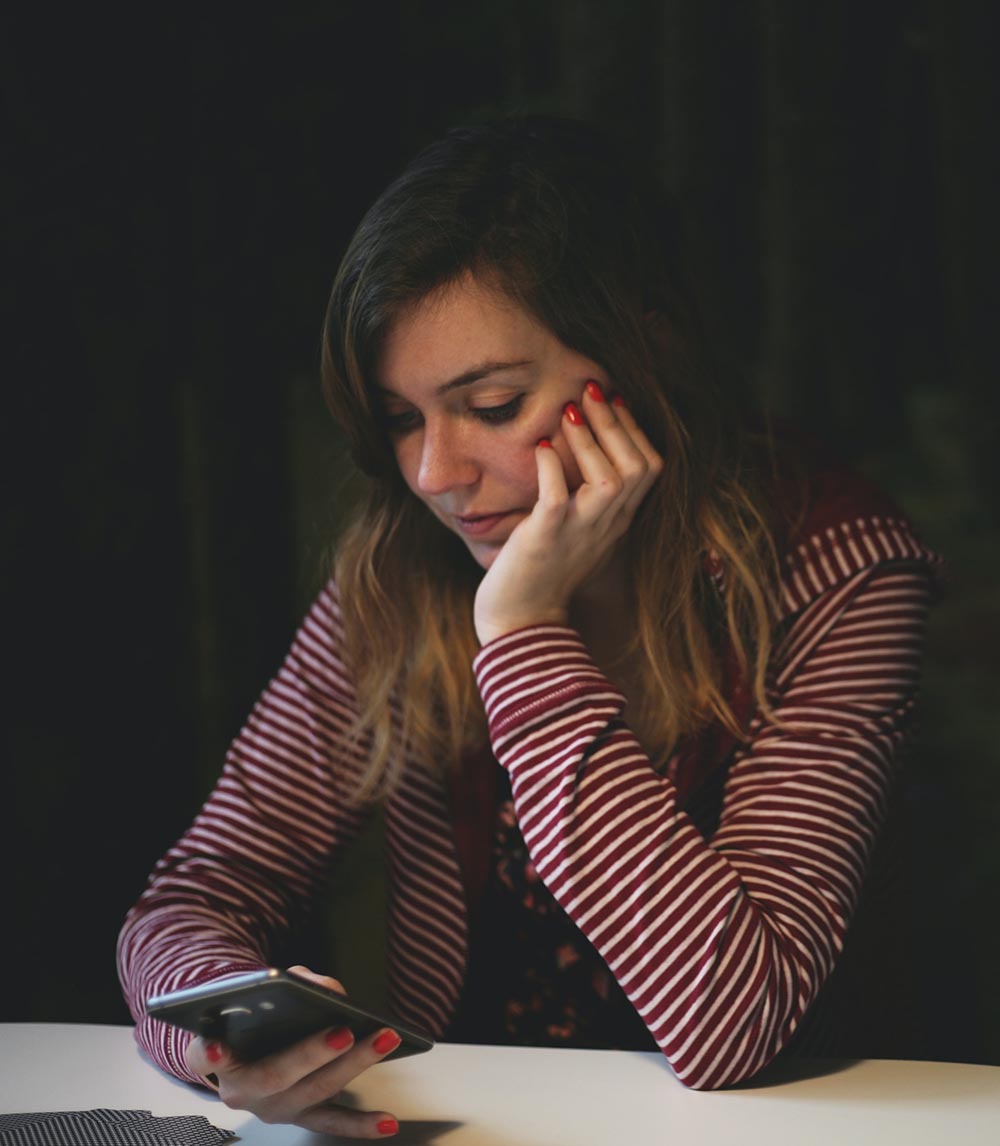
[(283, 1045), (259, 1013)]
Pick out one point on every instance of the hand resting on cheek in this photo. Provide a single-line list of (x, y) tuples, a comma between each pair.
[(569, 535)]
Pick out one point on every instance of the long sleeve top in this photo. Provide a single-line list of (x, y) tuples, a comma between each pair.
[(721, 943)]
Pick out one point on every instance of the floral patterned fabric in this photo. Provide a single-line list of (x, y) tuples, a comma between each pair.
[(533, 978)]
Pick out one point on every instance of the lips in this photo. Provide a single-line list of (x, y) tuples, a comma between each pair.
[(477, 524)]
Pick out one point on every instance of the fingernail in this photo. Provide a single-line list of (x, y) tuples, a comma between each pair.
[(572, 412), (594, 391), (339, 1038), (387, 1041), (387, 1126), (213, 1052), (618, 400), (545, 443)]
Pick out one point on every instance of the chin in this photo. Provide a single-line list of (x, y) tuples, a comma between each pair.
[(485, 555)]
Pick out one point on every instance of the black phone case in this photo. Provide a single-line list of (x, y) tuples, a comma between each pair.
[(266, 1011)]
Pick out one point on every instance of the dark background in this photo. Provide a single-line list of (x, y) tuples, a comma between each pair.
[(178, 193)]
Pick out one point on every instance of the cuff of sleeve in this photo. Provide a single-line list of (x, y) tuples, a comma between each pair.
[(532, 674), (166, 1044)]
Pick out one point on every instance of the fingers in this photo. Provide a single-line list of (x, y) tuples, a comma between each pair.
[(553, 493), (300, 1085), (339, 1121), (304, 1080), (616, 460), (627, 420), (246, 1086), (313, 1097), (320, 980), (204, 1058), (653, 461)]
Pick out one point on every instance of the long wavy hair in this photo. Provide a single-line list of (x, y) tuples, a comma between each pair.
[(562, 221)]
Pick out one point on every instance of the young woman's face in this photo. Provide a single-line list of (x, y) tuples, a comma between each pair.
[(469, 382)]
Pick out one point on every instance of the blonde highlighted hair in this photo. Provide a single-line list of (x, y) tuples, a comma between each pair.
[(553, 215)]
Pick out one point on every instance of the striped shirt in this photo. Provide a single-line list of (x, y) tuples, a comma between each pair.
[(721, 943)]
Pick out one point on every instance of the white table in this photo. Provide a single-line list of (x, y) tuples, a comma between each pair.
[(501, 1096)]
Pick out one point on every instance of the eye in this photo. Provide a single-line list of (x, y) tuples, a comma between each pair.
[(495, 415)]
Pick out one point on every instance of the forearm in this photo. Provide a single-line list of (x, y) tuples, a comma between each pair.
[(720, 946), (246, 874), (201, 918), (164, 949)]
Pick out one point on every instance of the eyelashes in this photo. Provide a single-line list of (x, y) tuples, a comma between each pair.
[(407, 420), (497, 415)]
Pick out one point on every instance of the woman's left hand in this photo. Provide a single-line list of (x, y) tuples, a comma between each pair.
[(568, 536)]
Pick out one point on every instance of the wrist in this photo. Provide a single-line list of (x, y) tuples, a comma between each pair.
[(491, 629)]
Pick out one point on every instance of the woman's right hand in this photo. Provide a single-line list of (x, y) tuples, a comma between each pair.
[(300, 1085)]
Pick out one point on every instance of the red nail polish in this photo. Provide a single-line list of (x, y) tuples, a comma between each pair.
[(618, 400), (339, 1038), (545, 443), (572, 412), (594, 391), (213, 1052), (387, 1041), (387, 1126)]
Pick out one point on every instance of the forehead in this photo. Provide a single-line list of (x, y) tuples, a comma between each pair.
[(451, 331)]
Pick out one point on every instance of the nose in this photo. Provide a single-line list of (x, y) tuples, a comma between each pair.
[(445, 460)]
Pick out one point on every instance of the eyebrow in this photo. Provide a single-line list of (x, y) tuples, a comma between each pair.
[(476, 374)]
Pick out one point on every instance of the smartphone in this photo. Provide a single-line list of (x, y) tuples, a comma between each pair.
[(266, 1011)]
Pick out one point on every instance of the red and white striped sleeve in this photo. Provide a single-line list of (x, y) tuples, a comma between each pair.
[(247, 870), (721, 945)]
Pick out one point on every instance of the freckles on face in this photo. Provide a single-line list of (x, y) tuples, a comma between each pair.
[(548, 423), (506, 458), (469, 383)]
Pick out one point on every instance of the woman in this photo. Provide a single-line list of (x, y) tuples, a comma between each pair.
[(630, 681)]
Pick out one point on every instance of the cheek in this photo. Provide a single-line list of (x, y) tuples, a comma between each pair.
[(513, 467), (550, 425)]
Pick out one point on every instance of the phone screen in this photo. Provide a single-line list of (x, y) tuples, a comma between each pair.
[(265, 1011)]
